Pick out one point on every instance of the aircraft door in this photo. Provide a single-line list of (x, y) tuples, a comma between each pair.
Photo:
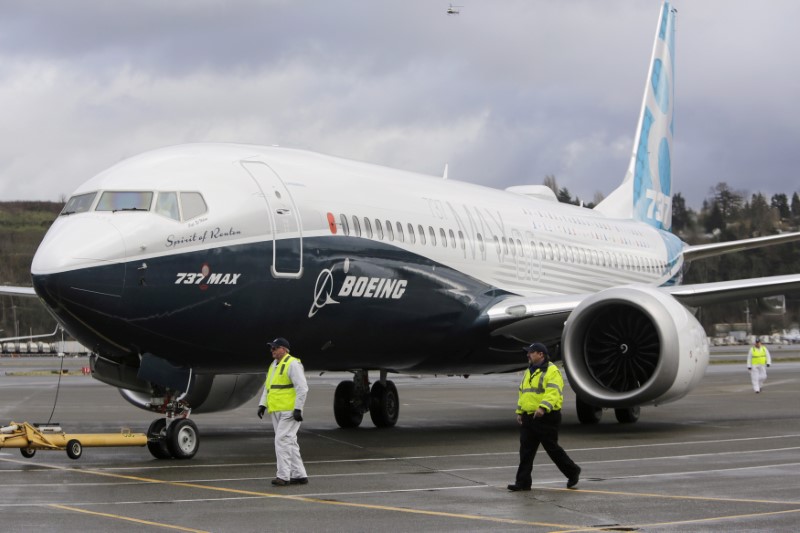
[(287, 235)]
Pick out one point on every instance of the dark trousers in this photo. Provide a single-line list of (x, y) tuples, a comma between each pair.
[(544, 430)]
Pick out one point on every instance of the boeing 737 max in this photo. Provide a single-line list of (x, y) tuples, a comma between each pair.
[(175, 267)]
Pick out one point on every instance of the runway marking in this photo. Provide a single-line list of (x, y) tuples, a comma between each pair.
[(309, 499), (125, 518), (477, 468), (677, 522), (487, 454), (317, 500)]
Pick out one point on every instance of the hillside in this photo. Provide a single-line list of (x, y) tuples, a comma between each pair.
[(22, 227)]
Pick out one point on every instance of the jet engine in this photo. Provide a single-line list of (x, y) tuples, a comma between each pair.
[(208, 393), (633, 345)]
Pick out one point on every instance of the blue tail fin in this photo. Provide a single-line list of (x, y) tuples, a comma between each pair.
[(646, 191)]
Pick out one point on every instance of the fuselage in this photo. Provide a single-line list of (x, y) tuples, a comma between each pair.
[(200, 254)]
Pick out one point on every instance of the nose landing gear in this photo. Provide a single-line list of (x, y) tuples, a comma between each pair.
[(174, 436)]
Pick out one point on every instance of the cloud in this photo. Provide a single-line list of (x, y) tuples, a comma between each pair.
[(506, 93)]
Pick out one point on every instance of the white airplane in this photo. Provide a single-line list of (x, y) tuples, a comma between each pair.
[(178, 265), (792, 336)]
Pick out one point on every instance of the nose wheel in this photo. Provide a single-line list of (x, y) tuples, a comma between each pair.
[(180, 439)]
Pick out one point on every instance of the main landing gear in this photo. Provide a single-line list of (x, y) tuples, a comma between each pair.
[(173, 436), (354, 398), (590, 414)]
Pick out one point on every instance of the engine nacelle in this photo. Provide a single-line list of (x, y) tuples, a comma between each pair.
[(209, 393), (633, 345)]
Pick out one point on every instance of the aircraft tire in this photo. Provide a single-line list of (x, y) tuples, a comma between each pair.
[(587, 413), (157, 439), (183, 439), (627, 415), (74, 449), (27, 453), (384, 404), (345, 414)]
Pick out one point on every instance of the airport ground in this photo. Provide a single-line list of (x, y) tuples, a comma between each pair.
[(720, 459)]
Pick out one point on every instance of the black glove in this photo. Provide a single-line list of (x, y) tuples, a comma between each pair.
[(767, 366), (298, 415), (261, 411)]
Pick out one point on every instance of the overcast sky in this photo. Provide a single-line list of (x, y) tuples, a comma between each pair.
[(507, 92)]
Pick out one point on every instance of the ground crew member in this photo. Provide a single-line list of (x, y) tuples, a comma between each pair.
[(284, 395), (758, 359), (539, 416)]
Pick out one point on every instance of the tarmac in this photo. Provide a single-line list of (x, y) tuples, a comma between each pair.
[(720, 459)]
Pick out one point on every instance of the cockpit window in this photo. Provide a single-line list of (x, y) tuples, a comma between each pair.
[(79, 203), (167, 205), (125, 201), (192, 204)]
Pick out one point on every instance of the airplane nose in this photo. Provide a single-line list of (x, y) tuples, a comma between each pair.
[(82, 254)]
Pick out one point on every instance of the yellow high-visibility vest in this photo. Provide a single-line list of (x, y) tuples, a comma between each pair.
[(541, 389), (280, 389), (758, 356)]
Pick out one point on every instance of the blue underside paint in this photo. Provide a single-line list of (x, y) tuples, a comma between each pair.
[(224, 327)]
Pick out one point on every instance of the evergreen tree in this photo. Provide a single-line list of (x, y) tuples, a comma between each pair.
[(781, 203), (795, 209)]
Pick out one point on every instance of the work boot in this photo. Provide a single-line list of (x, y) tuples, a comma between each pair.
[(278, 482), (574, 478)]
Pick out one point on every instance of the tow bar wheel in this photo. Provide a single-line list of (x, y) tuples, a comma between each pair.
[(27, 453), (74, 449)]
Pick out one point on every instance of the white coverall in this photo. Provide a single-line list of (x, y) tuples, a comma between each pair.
[(758, 373), (287, 451)]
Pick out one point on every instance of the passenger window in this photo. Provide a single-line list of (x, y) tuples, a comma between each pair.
[(480, 242), (79, 203), (345, 225), (400, 236), (497, 247), (356, 226), (452, 239), (167, 205), (505, 246), (411, 237), (461, 239), (379, 229), (192, 205), (421, 233), (389, 232), (443, 237), (368, 227), (432, 233), (125, 201)]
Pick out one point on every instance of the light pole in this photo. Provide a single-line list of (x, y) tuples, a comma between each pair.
[(16, 324)]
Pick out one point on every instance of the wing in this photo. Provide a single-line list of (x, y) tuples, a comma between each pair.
[(702, 251), (530, 318)]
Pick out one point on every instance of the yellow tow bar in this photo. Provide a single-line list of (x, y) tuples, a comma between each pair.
[(29, 438)]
